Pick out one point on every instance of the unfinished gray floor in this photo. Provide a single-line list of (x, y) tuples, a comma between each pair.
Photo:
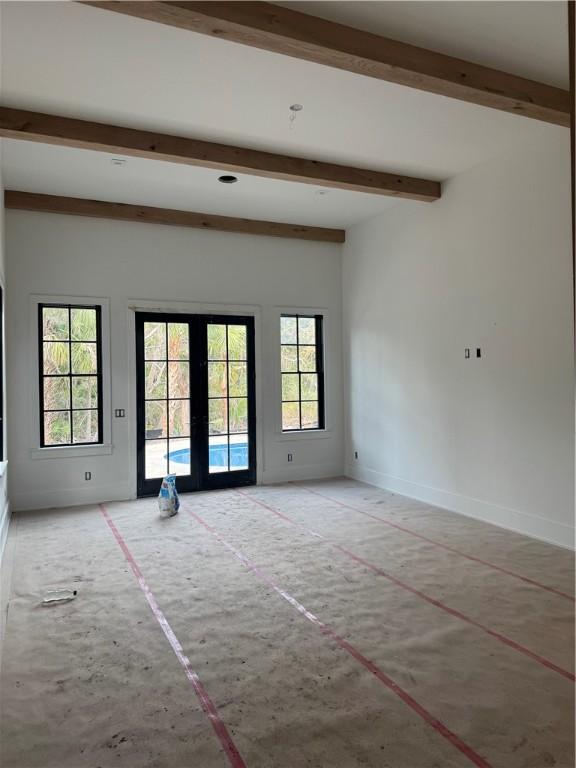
[(365, 645)]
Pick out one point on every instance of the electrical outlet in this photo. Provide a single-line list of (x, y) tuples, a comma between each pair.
[(87, 475), (289, 457), (119, 413), (478, 352), (467, 353), (356, 455)]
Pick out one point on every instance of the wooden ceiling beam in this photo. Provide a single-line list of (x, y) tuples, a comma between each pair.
[(99, 209), (84, 134), (282, 30)]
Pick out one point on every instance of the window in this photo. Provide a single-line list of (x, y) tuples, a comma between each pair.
[(70, 347), (302, 368)]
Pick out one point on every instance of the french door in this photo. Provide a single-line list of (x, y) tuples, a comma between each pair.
[(196, 414)]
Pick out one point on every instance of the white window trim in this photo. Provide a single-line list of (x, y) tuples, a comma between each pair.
[(68, 451), (303, 434)]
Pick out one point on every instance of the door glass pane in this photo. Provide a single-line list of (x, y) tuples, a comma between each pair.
[(238, 379), (238, 452), (178, 347), (217, 416), (218, 454), (236, 342), (217, 380), (179, 456), (179, 418), (156, 463), (216, 342), (156, 417), (238, 414), (155, 341), (155, 380), (178, 380)]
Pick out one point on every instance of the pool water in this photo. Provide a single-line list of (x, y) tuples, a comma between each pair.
[(218, 455)]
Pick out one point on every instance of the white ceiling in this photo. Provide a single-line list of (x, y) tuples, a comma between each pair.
[(54, 170), (75, 60), (524, 37)]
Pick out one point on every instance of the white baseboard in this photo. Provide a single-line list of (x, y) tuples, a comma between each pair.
[(304, 472), (70, 497), (504, 517)]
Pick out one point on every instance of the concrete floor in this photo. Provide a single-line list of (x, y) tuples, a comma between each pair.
[(328, 625)]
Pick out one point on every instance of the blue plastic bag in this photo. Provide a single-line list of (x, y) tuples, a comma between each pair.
[(168, 501)]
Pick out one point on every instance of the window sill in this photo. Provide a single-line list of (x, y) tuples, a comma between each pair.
[(70, 452), (305, 434)]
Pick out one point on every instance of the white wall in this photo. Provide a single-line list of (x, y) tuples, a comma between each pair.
[(131, 263), (489, 265)]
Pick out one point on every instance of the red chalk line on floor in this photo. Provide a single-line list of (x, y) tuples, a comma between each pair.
[(475, 559), (206, 702), (437, 603), (326, 630)]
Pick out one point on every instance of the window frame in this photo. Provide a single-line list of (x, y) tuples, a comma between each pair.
[(319, 319), (42, 376), (77, 450)]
